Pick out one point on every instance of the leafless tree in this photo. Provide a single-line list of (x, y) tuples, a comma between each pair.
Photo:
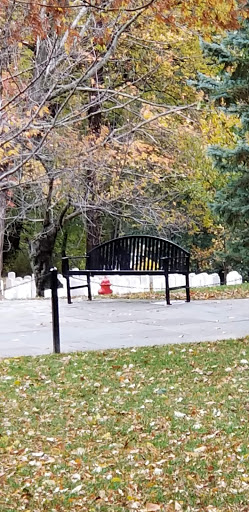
[(71, 111)]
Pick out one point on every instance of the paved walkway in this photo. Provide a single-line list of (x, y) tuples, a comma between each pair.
[(25, 326)]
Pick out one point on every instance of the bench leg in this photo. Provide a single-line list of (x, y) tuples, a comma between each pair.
[(167, 288), (187, 288), (69, 300), (89, 287)]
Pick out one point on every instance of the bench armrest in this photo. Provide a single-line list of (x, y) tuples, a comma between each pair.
[(65, 263)]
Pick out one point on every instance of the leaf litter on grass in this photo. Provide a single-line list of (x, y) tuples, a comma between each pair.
[(92, 432), (240, 291)]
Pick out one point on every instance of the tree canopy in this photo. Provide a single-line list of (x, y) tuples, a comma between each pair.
[(93, 96)]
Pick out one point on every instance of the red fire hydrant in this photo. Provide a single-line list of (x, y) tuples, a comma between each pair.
[(105, 287)]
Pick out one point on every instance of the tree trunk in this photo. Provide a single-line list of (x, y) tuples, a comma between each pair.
[(93, 230), (3, 204), (41, 252), (223, 275), (4, 58), (12, 239), (93, 220)]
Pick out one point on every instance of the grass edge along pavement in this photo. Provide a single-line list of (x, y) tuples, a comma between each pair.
[(146, 429), (239, 291)]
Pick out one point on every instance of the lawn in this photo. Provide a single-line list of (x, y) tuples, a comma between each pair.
[(239, 291), (148, 429)]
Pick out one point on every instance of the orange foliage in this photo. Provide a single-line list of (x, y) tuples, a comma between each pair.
[(36, 17)]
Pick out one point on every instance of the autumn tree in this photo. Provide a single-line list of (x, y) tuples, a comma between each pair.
[(63, 59), (66, 86)]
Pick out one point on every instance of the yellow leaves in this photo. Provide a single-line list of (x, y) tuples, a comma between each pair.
[(44, 110), (33, 132), (107, 435), (245, 479), (217, 128), (116, 479), (147, 114), (205, 15), (34, 170), (78, 462), (8, 151), (37, 111), (12, 152)]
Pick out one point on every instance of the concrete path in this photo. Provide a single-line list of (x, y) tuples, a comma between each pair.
[(25, 326)]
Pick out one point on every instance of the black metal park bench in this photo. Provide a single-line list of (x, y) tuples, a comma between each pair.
[(131, 255)]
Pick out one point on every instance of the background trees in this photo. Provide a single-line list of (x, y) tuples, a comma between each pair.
[(229, 91), (97, 119)]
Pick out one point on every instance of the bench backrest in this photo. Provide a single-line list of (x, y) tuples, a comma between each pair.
[(138, 252)]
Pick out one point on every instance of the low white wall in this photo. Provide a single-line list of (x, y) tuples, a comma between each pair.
[(24, 288), (18, 287)]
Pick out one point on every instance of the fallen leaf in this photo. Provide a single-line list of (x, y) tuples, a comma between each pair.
[(152, 507), (179, 414), (178, 507), (200, 449), (76, 489)]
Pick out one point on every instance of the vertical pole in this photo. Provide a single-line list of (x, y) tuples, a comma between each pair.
[(55, 311), (65, 270), (89, 287), (69, 300), (187, 283), (187, 289), (166, 273), (167, 288)]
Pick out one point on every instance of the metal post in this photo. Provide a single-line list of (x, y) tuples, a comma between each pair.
[(69, 300), (187, 288), (65, 270), (167, 288), (166, 274), (89, 287), (55, 311), (187, 283)]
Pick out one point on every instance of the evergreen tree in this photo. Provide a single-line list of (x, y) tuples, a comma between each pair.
[(229, 90)]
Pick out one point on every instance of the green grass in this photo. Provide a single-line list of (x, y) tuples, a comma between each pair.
[(240, 291), (158, 428)]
